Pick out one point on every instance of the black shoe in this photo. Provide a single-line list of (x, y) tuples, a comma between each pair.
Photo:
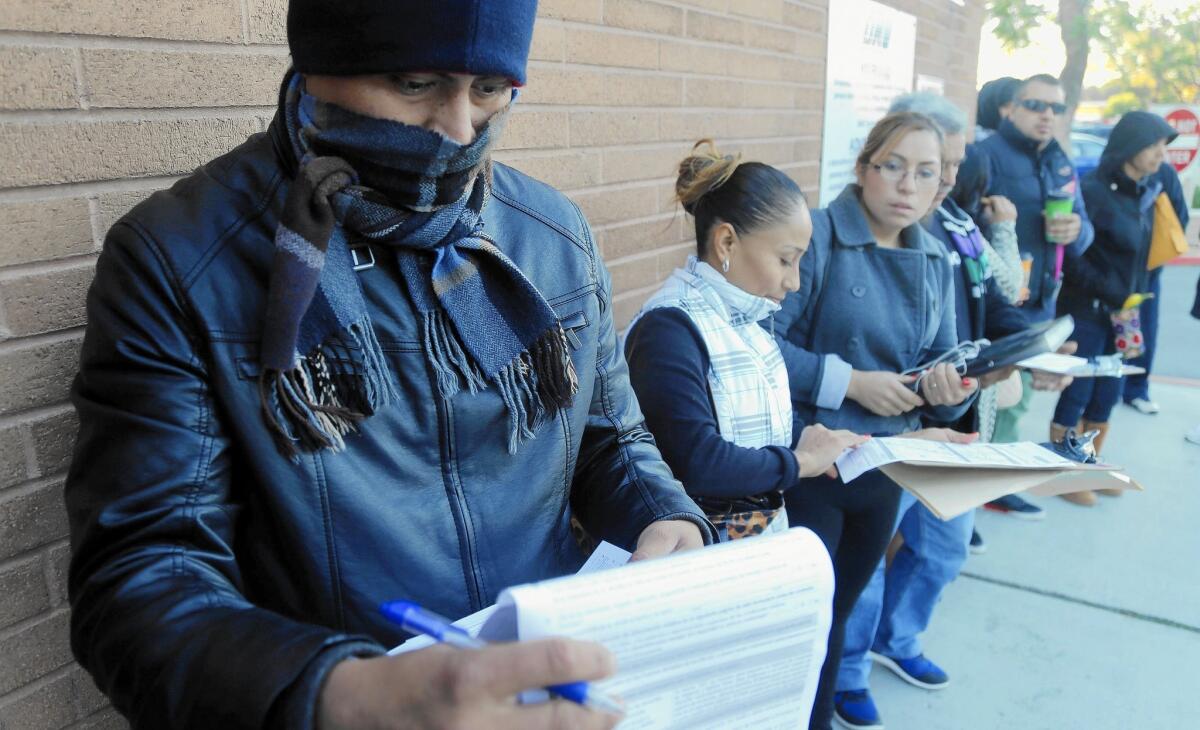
[(978, 546)]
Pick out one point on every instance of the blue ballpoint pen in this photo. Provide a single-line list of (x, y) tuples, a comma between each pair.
[(416, 620)]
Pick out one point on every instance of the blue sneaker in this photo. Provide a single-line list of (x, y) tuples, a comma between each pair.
[(856, 710), (918, 671), (1014, 506)]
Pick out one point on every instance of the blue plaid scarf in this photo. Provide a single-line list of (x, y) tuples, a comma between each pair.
[(422, 195)]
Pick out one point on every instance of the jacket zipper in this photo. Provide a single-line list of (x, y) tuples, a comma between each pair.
[(458, 505)]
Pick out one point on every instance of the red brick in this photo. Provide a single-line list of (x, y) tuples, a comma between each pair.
[(34, 651), (29, 518)]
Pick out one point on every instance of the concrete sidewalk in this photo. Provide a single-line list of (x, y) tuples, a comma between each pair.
[(1091, 618)]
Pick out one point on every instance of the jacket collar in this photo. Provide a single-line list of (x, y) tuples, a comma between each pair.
[(850, 224), (1017, 138)]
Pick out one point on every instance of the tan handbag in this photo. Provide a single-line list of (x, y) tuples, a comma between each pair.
[(1167, 240), (1008, 392)]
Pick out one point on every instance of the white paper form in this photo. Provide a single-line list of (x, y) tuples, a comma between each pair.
[(1080, 367), (732, 635), (606, 555), (890, 450)]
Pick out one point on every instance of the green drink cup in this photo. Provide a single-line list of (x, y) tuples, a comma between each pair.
[(1058, 204)]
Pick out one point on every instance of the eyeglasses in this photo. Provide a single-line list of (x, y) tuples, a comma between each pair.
[(1038, 106), (894, 172)]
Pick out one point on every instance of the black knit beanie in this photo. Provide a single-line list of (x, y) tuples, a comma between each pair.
[(348, 37)]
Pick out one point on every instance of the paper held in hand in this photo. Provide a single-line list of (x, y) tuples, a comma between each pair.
[(1080, 367), (733, 635), (950, 479)]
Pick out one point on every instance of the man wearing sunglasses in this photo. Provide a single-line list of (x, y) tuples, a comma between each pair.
[(1027, 166)]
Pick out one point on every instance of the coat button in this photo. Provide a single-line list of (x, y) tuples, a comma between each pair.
[(852, 343), (858, 291)]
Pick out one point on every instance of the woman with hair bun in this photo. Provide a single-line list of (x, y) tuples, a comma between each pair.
[(876, 301), (709, 378)]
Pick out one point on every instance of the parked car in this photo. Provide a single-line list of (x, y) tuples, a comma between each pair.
[(1085, 151), (1096, 129)]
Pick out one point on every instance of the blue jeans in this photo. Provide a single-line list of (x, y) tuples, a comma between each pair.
[(897, 604), (1092, 399), (1138, 386)]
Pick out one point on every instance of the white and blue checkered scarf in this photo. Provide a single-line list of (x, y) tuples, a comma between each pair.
[(422, 197)]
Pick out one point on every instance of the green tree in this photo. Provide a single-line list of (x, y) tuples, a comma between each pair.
[(1017, 18), (1156, 53), (1118, 104)]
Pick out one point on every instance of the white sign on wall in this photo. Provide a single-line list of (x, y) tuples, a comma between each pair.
[(870, 61)]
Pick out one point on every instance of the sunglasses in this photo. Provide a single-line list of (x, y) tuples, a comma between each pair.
[(1038, 106)]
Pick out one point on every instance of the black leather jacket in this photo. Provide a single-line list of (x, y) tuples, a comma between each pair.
[(212, 581)]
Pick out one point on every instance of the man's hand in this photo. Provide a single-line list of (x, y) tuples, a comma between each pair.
[(942, 434), (943, 386), (1053, 382), (1064, 229), (883, 393), (441, 687), (998, 209), (819, 448), (665, 537)]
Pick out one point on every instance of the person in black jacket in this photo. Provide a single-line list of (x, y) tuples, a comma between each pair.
[(1121, 193)]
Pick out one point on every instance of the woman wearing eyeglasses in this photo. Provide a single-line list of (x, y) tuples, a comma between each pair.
[(876, 299)]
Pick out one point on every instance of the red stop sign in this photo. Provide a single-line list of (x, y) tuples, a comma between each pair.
[(1183, 150)]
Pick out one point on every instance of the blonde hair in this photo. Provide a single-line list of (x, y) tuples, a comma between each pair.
[(713, 188), (888, 132), (702, 172)]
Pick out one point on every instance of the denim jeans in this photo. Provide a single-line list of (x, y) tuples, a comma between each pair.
[(1138, 386), (1092, 399), (897, 604)]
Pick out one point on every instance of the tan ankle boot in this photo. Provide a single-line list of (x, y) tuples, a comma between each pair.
[(1083, 499), (1098, 443)]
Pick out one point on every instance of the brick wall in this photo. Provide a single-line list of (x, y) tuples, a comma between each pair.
[(102, 102)]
